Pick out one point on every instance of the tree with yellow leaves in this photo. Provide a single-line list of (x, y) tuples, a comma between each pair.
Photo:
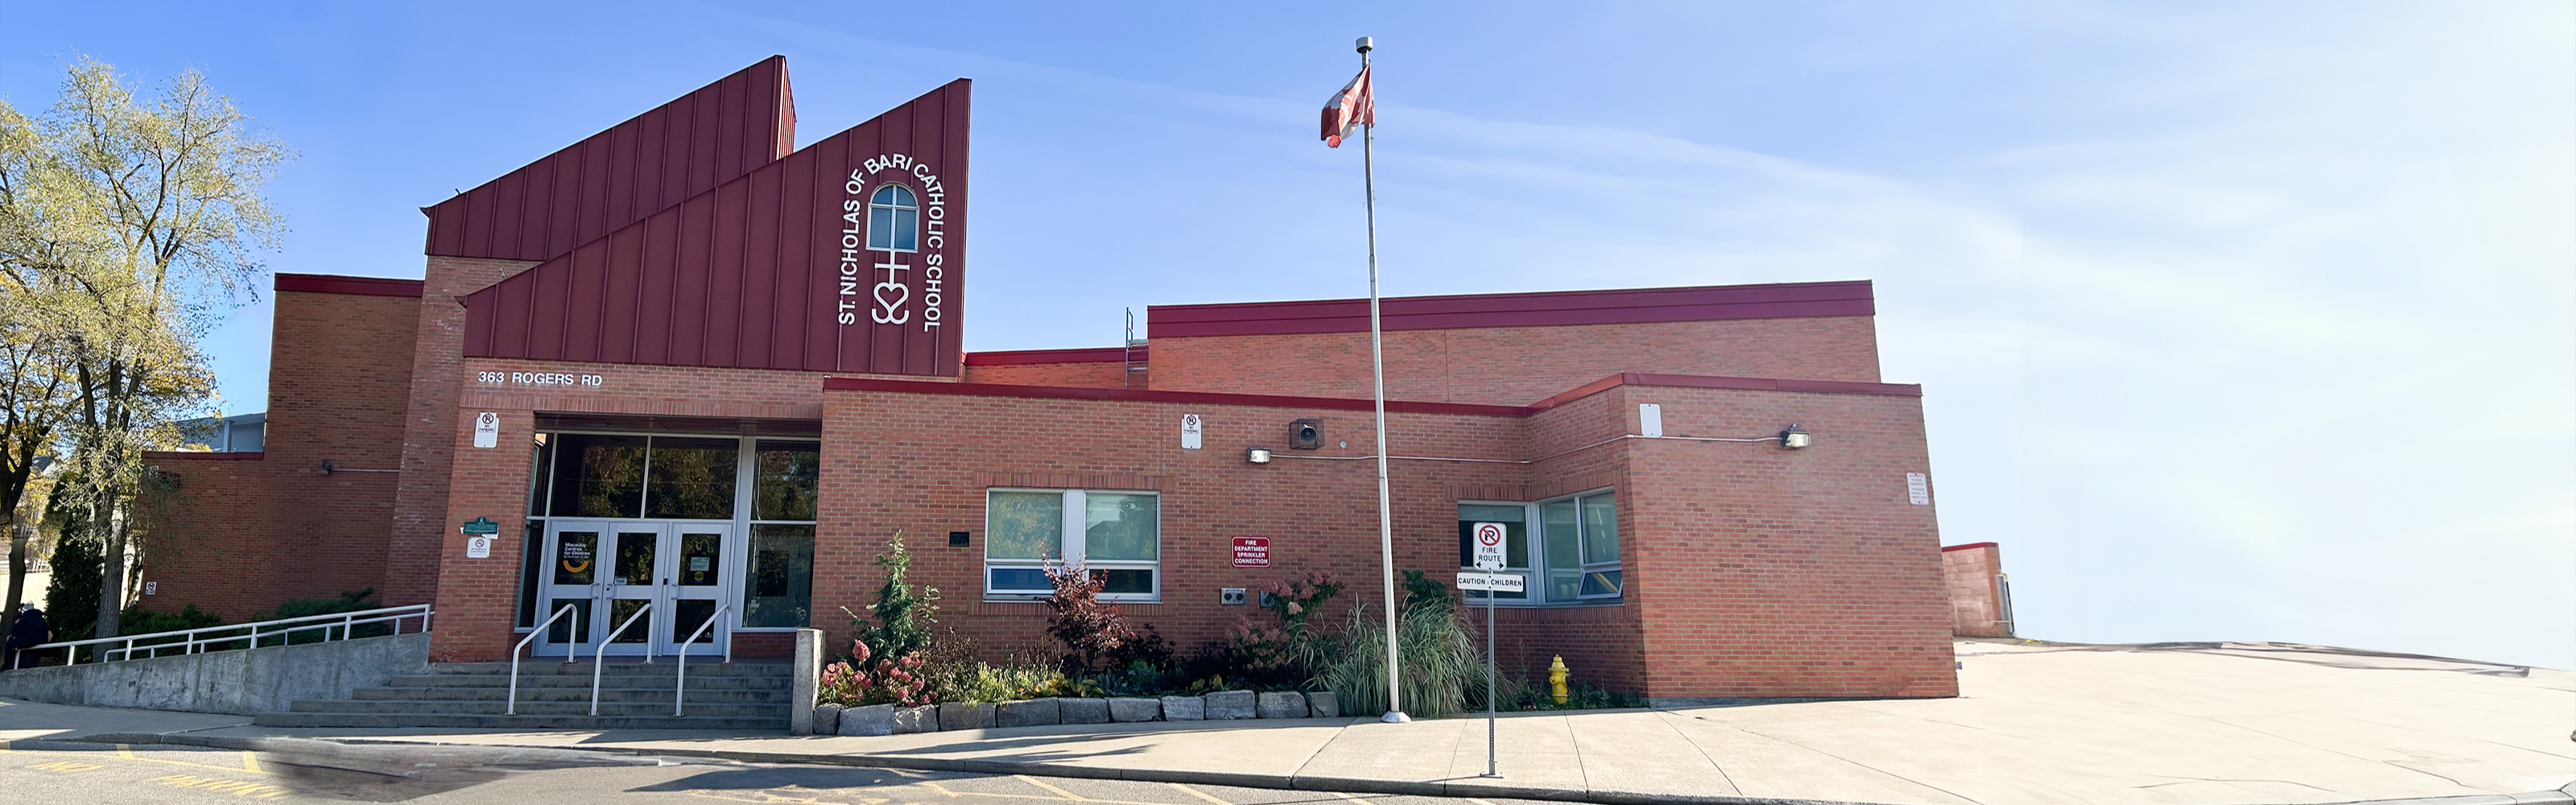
[(131, 224)]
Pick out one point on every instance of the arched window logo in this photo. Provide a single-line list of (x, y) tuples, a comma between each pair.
[(882, 222), (894, 220)]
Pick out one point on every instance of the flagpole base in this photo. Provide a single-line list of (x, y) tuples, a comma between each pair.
[(1396, 717)]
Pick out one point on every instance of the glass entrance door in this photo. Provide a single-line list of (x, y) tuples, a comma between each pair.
[(609, 570), (696, 584)]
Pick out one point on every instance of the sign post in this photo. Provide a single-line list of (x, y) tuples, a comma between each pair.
[(1490, 557)]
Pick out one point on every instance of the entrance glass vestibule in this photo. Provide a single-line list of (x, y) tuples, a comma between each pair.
[(679, 527)]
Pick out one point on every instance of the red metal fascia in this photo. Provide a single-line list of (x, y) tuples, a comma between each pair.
[(1717, 382), (1143, 395), (362, 286), (1017, 357), (1349, 404), (1642, 305)]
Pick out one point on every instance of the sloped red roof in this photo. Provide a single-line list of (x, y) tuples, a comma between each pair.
[(617, 177), (749, 274)]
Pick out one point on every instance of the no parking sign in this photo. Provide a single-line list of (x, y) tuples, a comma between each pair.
[(1489, 546)]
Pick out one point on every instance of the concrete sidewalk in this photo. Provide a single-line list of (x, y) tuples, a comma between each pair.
[(2039, 723)]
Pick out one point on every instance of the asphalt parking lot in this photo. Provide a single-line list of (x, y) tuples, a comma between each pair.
[(78, 772)]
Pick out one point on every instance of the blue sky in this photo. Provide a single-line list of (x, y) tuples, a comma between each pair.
[(2236, 321)]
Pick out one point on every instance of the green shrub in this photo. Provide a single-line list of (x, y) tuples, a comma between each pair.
[(1442, 669), (902, 616), (351, 601), (137, 620), (1579, 695)]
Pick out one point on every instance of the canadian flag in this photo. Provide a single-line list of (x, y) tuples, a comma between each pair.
[(1348, 109)]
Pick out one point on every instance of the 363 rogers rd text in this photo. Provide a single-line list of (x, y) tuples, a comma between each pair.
[(539, 379)]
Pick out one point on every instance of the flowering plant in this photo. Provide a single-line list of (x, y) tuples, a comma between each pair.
[(895, 680), (1297, 599)]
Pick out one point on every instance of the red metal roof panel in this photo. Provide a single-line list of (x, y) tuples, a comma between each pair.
[(891, 313), (616, 177)]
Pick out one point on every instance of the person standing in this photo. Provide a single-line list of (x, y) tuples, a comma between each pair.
[(27, 631)]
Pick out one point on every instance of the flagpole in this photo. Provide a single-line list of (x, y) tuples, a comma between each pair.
[(1377, 370)]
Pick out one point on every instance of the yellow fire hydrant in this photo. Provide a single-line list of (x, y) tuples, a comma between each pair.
[(1556, 673)]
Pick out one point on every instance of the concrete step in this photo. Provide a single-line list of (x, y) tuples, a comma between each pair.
[(606, 708), (566, 693), (774, 723), (502, 682)]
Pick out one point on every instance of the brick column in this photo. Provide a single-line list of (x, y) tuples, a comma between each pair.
[(429, 424), (478, 598)]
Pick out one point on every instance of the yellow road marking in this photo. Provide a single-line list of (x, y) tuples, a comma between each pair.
[(1478, 801), (236, 788), (1203, 795), (1347, 796), (125, 751), (1042, 784), (250, 763), (934, 786), (131, 756), (65, 765)]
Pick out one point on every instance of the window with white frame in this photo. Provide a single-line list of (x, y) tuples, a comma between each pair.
[(1567, 547), (1116, 536), (893, 220)]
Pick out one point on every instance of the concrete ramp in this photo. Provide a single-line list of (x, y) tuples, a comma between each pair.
[(242, 681)]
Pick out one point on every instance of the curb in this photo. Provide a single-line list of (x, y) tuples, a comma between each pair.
[(1438, 788), (1462, 788)]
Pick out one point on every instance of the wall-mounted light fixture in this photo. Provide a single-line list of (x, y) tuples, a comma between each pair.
[(1795, 439), (1257, 455)]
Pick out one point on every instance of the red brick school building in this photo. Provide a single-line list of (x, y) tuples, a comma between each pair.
[(683, 363)]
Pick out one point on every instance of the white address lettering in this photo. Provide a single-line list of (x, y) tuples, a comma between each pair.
[(539, 379)]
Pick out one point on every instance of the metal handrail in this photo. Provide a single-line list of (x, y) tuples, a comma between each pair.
[(190, 641), (571, 650), (598, 660), (683, 687)]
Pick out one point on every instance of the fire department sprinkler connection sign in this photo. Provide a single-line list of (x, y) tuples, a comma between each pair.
[(1489, 546), (1251, 551)]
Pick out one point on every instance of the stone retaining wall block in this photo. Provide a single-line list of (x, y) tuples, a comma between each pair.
[(827, 719), (1028, 713), (1230, 704), (966, 715), (1184, 708), (1084, 711), (909, 720), (1125, 710), (1321, 704), (1281, 705), (874, 719)]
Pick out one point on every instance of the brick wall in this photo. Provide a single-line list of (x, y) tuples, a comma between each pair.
[(920, 464), (1088, 374), (242, 535), (1769, 572), (1518, 365), (429, 421), (1971, 574)]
